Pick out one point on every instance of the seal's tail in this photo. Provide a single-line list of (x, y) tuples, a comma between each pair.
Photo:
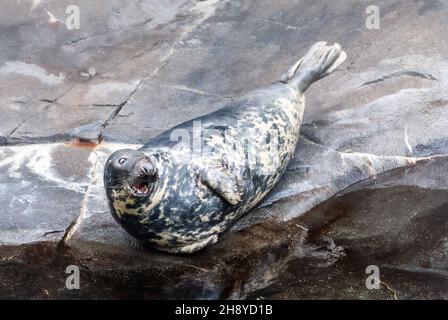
[(318, 62)]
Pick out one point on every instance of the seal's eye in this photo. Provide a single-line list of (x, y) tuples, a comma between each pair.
[(122, 160)]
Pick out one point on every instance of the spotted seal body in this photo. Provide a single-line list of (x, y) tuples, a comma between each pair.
[(191, 183)]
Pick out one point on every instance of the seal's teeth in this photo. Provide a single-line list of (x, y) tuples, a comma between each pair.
[(140, 188)]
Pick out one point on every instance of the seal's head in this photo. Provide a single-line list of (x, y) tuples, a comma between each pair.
[(130, 173)]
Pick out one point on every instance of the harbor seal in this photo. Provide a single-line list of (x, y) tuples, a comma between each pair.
[(188, 185)]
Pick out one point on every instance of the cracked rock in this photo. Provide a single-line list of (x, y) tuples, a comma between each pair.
[(42, 188), (367, 184)]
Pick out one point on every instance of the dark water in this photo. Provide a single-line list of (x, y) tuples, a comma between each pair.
[(398, 222)]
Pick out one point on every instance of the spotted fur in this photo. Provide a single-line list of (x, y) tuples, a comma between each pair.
[(245, 148)]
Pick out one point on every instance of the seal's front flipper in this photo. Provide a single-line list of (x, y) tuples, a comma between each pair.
[(222, 182)]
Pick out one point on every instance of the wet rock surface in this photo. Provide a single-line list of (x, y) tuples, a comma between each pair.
[(367, 184)]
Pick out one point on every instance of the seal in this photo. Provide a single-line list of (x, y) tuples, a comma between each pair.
[(188, 185)]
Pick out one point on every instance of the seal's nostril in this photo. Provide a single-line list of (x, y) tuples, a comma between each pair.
[(146, 168)]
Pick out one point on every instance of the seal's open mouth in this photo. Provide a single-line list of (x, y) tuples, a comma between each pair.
[(139, 175), (140, 188)]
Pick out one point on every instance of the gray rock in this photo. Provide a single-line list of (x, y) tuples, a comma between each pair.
[(156, 107), (366, 185), (42, 189)]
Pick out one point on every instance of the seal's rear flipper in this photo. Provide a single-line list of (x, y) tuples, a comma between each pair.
[(318, 62)]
